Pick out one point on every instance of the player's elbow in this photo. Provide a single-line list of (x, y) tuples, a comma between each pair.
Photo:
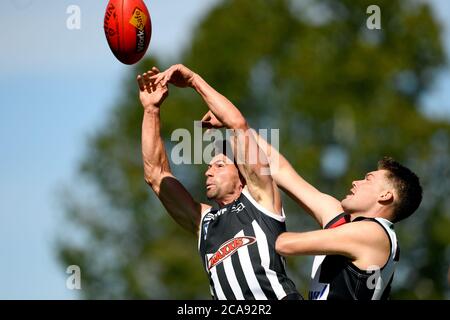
[(151, 182), (238, 123), (282, 245), (152, 175), (149, 179)]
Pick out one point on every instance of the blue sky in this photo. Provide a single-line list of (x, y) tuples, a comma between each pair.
[(56, 87)]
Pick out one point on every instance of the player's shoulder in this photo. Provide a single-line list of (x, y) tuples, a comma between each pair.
[(369, 230), (336, 220), (329, 210)]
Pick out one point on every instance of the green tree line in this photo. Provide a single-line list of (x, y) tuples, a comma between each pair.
[(341, 95)]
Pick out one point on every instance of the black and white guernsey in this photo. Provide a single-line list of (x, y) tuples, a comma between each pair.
[(335, 277), (237, 247)]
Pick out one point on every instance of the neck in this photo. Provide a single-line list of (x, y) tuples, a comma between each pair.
[(229, 198), (375, 212)]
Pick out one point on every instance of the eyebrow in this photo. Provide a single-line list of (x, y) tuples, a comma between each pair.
[(215, 162)]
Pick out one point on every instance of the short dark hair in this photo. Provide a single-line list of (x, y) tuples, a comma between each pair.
[(407, 185), (224, 146)]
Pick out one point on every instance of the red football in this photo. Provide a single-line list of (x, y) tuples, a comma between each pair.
[(128, 29)]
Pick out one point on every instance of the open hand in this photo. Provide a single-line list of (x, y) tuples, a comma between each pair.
[(178, 75), (209, 121), (151, 94)]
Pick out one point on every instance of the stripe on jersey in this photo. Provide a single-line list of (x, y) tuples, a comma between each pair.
[(337, 221), (263, 248), (231, 277), (217, 287), (249, 273), (240, 276)]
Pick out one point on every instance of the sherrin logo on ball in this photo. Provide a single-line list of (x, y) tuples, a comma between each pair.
[(127, 26)]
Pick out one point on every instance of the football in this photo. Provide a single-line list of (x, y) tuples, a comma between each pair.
[(128, 29)]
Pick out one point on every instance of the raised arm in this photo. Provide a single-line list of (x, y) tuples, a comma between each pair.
[(252, 164), (364, 242), (173, 195), (322, 207)]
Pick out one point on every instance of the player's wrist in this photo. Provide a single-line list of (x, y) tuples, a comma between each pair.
[(152, 109), (194, 80)]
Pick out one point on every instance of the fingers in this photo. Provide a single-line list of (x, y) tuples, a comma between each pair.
[(153, 79), (140, 82), (147, 82), (164, 76), (144, 82), (165, 91), (213, 120), (206, 117), (207, 125), (146, 78), (158, 77), (209, 121), (205, 121), (155, 70), (169, 73)]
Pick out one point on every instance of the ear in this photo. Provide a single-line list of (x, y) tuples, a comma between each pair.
[(242, 179), (386, 197)]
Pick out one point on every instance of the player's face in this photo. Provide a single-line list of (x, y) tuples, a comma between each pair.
[(365, 193), (222, 177)]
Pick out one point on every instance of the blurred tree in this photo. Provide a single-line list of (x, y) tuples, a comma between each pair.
[(342, 96)]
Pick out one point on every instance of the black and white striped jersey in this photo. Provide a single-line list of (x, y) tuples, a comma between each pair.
[(237, 247), (335, 277)]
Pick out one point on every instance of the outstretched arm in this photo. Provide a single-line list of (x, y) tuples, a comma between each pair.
[(222, 108), (322, 207), (365, 243), (175, 198)]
